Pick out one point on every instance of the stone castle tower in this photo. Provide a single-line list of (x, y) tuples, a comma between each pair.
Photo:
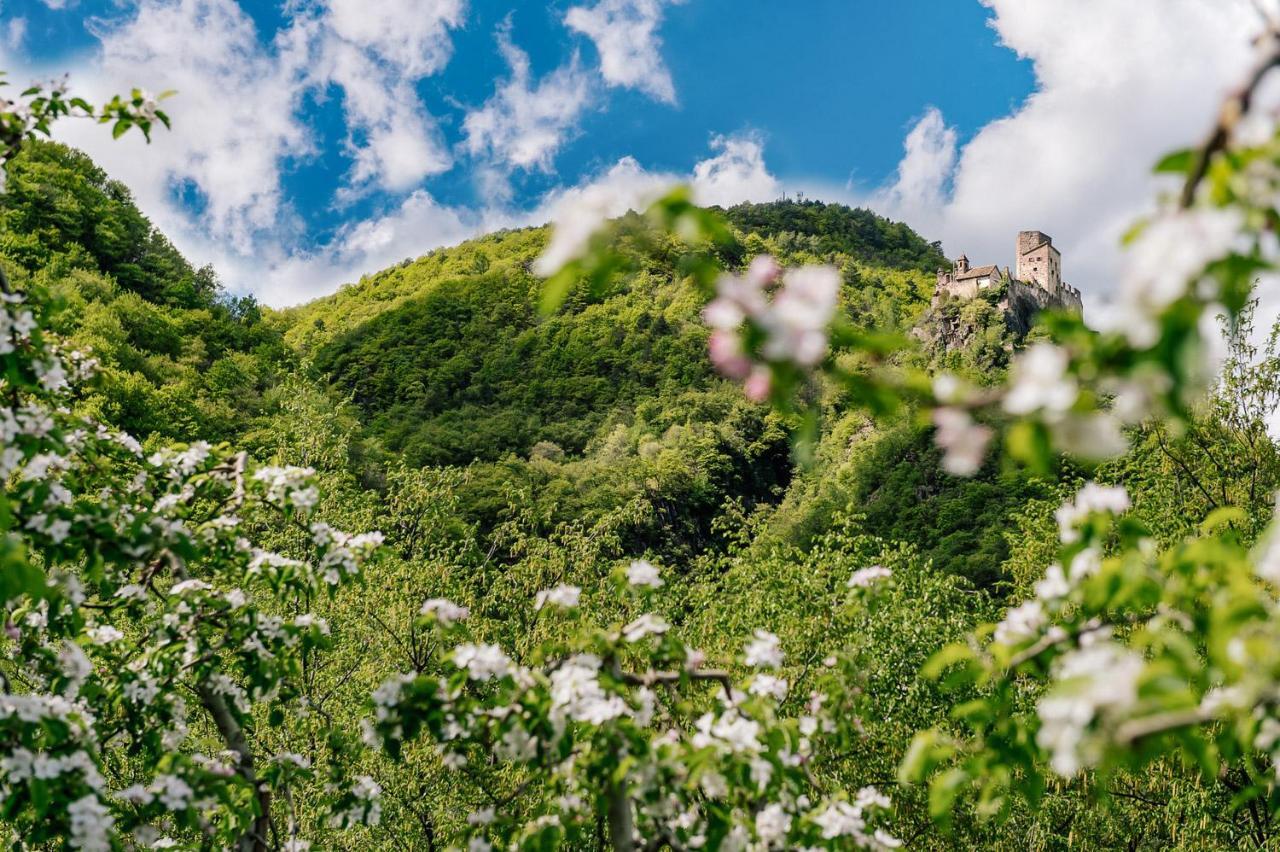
[(1037, 279), (1039, 261)]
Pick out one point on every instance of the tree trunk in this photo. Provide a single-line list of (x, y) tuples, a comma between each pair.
[(621, 829)]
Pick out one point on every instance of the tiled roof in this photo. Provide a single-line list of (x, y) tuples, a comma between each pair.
[(978, 272)]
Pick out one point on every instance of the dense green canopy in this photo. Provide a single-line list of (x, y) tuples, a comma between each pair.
[(503, 451)]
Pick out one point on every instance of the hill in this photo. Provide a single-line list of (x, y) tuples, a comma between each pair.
[(181, 357), (504, 452), (449, 360)]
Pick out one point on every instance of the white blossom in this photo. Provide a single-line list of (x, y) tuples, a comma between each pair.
[(173, 792), (764, 651), (1168, 258), (772, 824), (1040, 381), (646, 625), (482, 662), (865, 577), (576, 692), (730, 731), (768, 685), (962, 441), (91, 824), (562, 596), (1100, 680), (445, 611), (1053, 585), (643, 573), (1090, 499), (104, 634), (1021, 623)]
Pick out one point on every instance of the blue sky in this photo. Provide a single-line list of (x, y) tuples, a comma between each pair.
[(319, 139)]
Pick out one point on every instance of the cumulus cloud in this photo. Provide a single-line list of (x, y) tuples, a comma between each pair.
[(376, 52), (14, 32), (236, 112), (579, 210), (625, 33), (523, 125), (416, 225), (238, 127), (919, 189), (411, 34), (1118, 85), (736, 173)]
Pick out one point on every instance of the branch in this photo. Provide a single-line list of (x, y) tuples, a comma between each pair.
[(667, 678), (1050, 640), (254, 840), (1233, 109), (621, 828), (233, 736), (1135, 729)]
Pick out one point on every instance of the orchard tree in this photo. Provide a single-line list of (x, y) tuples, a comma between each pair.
[(1133, 654), (147, 638)]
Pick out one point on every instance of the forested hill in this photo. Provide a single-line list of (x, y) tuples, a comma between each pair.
[(839, 230), (449, 360), (504, 452), (181, 357), (608, 403), (611, 400)]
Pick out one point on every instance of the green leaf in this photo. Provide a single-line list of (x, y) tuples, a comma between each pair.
[(556, 288), (1178, 162), (923, 755), (943, 659), (943, 792), (1222, 517)]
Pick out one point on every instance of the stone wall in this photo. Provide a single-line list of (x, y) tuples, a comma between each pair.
[(1021, 303)]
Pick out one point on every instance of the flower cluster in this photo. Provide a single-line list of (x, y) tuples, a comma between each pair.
[(588, 715), (765, 318), (166, 609)]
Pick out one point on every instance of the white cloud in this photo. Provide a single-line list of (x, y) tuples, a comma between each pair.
[(523, 125), (376, 52), (14, 33), (401, 144), (625, 34), (411, 34), (417, 225), (736, 173), (1118, 85), (919, 188), (238, 127), (235, 109), (579, 210)]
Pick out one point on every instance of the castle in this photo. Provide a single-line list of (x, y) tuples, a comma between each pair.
[(1037, 285)]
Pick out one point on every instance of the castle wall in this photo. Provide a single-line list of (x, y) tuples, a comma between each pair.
[(966, 289)]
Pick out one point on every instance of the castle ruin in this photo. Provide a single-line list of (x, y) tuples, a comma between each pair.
[(1036, 285)]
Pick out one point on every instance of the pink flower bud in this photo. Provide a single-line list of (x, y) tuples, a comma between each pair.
[(763, 270), (725, 350), (758, 384)]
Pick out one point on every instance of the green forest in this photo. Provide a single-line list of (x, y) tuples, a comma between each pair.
[(503, 451)]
